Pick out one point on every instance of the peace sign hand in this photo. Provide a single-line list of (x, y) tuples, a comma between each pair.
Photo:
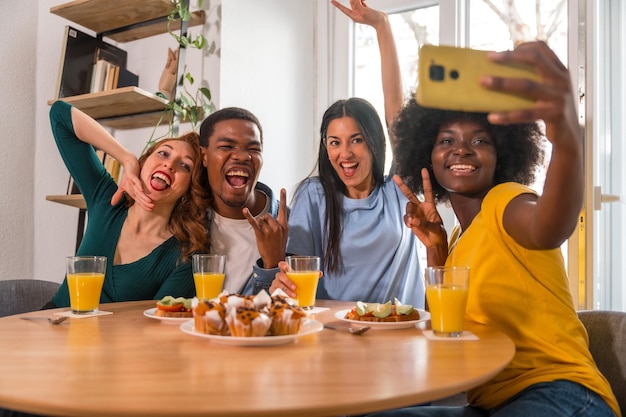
[(424, 220)]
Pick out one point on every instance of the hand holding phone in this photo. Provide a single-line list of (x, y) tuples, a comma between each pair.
[(448, 78)]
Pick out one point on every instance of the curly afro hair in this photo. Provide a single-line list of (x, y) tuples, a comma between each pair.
[(518, 146)]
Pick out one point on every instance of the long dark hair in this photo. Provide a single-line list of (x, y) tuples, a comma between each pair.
[(369, 123)]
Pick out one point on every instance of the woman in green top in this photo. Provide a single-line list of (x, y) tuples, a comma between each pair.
[(147, 251)]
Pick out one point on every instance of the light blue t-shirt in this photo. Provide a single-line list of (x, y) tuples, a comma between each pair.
[(380, 254)]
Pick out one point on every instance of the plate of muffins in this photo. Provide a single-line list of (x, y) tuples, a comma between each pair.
[(246, 320)]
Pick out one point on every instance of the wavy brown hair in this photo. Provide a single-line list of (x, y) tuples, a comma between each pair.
[(188, 221)]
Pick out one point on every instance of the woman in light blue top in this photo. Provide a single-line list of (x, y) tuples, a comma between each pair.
[(351, 214)]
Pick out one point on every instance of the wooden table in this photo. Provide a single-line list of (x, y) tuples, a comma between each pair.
[(126, 364)]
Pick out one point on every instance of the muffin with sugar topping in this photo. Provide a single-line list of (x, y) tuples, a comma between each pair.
[(209, 317), (286, 318), (248, 322)]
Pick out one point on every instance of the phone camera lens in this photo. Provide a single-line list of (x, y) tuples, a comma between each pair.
[(436, 72), (454, 74)]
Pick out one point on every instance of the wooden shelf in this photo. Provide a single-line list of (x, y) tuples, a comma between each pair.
[(142, 120), (123, 21), (74, 200), (105, 16), (124, 108), (116, 108), (134, 121), (128, 107)]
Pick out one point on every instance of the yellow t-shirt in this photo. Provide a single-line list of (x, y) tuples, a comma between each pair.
[(525, 294)]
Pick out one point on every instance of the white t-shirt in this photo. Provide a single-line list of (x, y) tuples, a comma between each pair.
[(235, 238)]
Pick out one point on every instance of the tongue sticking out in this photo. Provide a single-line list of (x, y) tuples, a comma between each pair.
[(158, 184)]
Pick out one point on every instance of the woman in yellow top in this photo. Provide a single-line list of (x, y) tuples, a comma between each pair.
[(509, 236)]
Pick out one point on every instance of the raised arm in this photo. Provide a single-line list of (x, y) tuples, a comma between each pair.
[(90, 131), (359, 12), (547, 221), (167, 82)]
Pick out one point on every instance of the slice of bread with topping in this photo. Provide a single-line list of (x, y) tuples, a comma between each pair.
[(383, 312)]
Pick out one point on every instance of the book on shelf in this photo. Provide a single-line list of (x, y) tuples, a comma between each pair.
[(104, 76), (101, 155), (80, 51), (106, 67), (114, 77), (112, 166), (109, 55), (97, 76)]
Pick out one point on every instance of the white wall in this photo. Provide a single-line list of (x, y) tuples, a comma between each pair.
[(267, 65), (17, 129)]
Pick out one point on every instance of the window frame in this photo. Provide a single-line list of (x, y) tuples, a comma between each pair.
[(454, 30), (339, 37)]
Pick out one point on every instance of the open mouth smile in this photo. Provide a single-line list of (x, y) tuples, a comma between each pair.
[(237, 178), (349, 168), (462, 168), (160, 181)]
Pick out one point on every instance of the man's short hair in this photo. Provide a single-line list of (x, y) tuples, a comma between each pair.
[(228, 113)]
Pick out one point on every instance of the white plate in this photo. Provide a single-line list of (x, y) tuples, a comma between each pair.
[(424, 315), (167, 320), (308, 327)]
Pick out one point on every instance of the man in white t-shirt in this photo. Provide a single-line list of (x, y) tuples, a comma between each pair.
[(246, 222)]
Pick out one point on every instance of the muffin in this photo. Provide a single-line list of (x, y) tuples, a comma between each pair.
[(248, 322), (286, 319), (209, 317)]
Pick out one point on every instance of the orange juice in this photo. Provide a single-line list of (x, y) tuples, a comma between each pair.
[(208, 284), (85, 289), (306, 286), (447, 308)]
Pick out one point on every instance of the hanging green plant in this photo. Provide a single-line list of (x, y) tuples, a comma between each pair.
[(185, 105), (181, 12)]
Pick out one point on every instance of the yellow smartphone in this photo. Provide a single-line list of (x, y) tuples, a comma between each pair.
[(448, 78)]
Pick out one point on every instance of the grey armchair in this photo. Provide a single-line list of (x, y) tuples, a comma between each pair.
[(23, 295), (607, 343)]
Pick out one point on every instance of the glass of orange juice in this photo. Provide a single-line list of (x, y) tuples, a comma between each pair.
[(446, 293), (208, 274), (304, 271), (85, 276)]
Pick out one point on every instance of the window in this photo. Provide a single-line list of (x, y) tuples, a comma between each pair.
[(498, 24), (411, 29), (607, 127)]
